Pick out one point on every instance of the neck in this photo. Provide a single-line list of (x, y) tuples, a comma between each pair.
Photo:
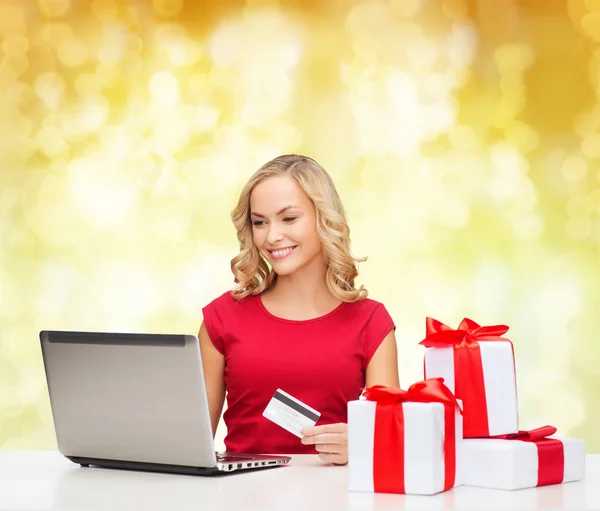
[(305, 285)]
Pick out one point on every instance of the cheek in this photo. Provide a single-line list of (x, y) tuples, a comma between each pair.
[(258, 237), (307, 234)]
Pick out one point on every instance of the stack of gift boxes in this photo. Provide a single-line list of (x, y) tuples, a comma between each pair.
[(460, 426)]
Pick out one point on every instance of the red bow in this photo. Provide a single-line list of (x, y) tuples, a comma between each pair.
[(440, 335), (551, 453), (388, 454), (469, 383), (432, 390), (533, 435)]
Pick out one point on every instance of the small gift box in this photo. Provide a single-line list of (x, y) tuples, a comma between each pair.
[(523, 460), (478, 366), (405, 441)]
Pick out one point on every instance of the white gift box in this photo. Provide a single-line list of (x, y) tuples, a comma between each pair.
[(423, 446), (513, 464), (498, 364)]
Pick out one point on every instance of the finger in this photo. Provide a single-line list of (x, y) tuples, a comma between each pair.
[(330, 448), (327, 438), (336, 459), (321, 439), (340, 427)]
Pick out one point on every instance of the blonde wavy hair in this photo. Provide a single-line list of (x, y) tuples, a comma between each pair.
[(251, 271)]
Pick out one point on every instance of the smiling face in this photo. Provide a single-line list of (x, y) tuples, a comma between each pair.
[(284, 224)]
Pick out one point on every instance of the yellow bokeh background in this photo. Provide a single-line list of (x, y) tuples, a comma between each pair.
[(463, 136)]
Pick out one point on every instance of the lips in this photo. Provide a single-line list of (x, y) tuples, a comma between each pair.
[(281, 253)]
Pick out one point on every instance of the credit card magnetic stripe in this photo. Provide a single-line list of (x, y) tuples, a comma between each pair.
[(295, 406)]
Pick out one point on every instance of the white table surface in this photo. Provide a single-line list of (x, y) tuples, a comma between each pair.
[(47, 480)]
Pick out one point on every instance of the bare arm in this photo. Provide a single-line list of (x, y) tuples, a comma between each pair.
[(383, 366), (213, 364)]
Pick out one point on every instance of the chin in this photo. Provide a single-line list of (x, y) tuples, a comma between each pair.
[(284, 269)]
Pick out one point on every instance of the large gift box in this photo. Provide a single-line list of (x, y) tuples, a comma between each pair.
[(405, 441), (478, 366), (523, 460)]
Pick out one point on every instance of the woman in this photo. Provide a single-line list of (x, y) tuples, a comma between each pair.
[(295, 320)]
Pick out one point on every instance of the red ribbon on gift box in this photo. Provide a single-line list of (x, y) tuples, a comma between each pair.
[(388, 454), (469, 384), (551, 453)]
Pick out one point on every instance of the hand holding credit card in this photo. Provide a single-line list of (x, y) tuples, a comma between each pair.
[(290, 413)]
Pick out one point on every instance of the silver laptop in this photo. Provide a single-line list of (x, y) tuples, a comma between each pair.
[(135, 401)]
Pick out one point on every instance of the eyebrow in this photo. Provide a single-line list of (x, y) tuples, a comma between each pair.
[(282, 210)]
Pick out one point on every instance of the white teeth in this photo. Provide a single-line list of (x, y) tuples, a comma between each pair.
[(279, 253)]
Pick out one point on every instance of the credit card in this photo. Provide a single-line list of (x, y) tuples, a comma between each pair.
[(290, 413)]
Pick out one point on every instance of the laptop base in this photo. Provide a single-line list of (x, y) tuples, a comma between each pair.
[(224, 469)]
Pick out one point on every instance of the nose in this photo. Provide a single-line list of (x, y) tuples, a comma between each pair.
[(275, 235)]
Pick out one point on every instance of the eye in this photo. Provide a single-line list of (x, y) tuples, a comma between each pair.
[(258, 223), (289, 218)]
